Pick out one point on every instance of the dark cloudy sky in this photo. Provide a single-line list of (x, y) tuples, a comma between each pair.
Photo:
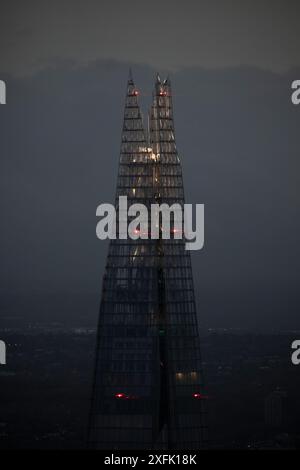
[(232, 64), (165, 34)]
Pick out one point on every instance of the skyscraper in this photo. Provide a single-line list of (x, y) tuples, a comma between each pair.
[(148, 384)]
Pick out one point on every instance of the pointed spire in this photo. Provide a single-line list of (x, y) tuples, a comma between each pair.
[(167, 81), (133, 135), (130, 78), (131, 88), (167, 86), (162, 138)]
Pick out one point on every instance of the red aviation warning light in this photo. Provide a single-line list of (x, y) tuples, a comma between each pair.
[(123, 396), (176, 230), (199, 396)]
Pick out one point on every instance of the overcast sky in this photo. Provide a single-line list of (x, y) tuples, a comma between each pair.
[(166, 34)]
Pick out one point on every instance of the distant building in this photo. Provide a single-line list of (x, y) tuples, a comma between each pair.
[(148, 386)]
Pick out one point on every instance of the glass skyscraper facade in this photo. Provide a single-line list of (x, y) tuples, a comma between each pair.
[(148, 383)]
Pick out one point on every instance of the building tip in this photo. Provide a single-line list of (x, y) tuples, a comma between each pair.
[(158, 80), (130, 78)]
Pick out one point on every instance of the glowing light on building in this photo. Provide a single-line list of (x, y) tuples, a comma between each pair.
[(179, 375), (199, 396)]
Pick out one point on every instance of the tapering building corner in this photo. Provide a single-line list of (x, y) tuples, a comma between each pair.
[(148, 383)]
